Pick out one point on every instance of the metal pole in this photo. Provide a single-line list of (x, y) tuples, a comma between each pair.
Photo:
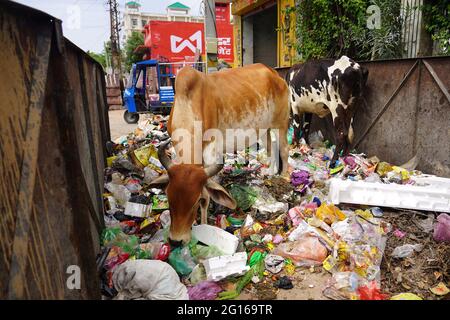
[(211, 35)]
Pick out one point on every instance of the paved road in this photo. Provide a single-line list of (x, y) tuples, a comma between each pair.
[(118, 126)]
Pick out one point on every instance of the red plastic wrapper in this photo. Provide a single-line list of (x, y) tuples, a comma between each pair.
[(371, 292), (164, 252)]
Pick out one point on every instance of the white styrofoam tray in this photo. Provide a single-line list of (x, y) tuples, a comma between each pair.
[(218, 268), (430, 193)]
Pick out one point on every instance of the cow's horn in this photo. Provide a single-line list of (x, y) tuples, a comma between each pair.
[(211, 171), (162, 156)]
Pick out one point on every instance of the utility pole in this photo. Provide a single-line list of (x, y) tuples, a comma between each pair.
[(211, 35), (116, 61)]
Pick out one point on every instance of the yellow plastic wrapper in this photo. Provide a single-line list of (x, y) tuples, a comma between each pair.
[(329, 263), (406, 296), (383, 168), (337, 169), (144, 153), (110, 160), (366, 214), (257, 227), (270, 246), (147, 222), (343, 251), (290, 269), (329, 214), (403, 172)]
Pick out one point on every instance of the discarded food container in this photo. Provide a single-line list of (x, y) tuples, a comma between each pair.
[(221, 267), (214, 236), (137, 209), (433, 197)]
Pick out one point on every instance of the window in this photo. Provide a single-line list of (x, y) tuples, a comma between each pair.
[(144, 23), (134, 22)]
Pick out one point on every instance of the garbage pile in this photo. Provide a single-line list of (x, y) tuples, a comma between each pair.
[(279, 227)]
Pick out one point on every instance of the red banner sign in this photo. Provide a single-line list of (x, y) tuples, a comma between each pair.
[(178, 41)]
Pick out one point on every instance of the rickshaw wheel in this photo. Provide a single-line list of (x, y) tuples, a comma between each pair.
[(131, 118)]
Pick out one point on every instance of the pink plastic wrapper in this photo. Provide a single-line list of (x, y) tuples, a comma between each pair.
[(442, 228), (205, 290), (296, 215), (306, 251)]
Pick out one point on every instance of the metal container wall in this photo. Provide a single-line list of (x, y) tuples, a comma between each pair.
[(53, 129), (406, 113)]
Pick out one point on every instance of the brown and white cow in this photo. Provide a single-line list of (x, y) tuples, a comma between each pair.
[(251, 97), (327, 86)]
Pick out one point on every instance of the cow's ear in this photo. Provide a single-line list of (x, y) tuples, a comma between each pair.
[(160, 182), (219, 195)]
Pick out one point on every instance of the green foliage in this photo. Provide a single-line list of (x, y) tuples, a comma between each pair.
[(385, 42), (331, 28), (104, 56), (99, 57), (437, 22), (135, 40)]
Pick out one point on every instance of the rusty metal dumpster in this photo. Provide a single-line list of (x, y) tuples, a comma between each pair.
[(53, 128)]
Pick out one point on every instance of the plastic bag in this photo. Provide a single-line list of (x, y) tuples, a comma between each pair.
[(148, 279), (198, 274), (245, 196), (150, 174), (109, 234), (300, 177), (200, 252), (406, 250), (115, 257), (206, 290), (442, 228), (371, 292), (120, 192), (306, 251), (152, 249), (181, 260)]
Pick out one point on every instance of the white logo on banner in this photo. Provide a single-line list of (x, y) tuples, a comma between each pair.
[(176, 46)]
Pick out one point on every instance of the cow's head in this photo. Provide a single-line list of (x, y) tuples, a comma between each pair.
[(350, 83), (189, 189)]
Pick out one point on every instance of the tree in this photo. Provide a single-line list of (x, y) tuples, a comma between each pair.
[(135, 40), (99, 57), (104, 57)]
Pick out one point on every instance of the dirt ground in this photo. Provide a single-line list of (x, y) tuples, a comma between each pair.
[(307, 286), (118, 126), (421, 271)]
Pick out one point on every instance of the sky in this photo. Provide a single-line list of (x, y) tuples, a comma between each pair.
[(86, 22)]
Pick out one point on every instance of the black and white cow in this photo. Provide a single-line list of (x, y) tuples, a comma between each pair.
[(327, 86)]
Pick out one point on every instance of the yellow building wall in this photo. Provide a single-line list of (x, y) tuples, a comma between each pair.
[(286, 53), (286, 33), (237, 34)]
